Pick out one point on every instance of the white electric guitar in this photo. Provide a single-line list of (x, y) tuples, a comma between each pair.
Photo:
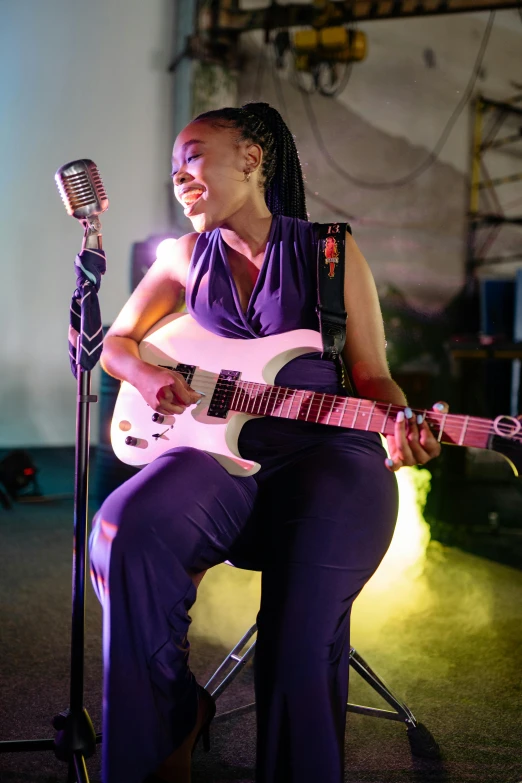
[(236, 376)]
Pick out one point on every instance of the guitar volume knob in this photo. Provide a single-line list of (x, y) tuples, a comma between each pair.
[(130, 441), (158, 418)]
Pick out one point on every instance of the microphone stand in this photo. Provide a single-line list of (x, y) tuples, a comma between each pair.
[(75, 738)]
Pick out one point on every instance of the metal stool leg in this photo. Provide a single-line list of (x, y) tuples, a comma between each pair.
[(238, 661), (422, 743)]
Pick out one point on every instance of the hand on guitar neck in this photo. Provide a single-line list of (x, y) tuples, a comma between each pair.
[(413, 442)]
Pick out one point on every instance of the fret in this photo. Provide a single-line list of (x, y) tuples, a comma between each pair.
[(268, 392), (319, 409), (332, 405), (259, 399), (244, 398), (241, 396), (235, 398), (244, 401), (359, 403), (343, 414), (276, 405), (289, 393), (464, 427), (441, 428), (300, 402), (251, 398), (370, 416), (383, 428), (312, 395)]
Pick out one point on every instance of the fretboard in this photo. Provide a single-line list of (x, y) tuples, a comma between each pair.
[(354, 413)]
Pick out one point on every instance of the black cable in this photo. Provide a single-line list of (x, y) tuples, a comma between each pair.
[(258, 83), (343, 81), (283, 109), (433, 155), (334, 209), (341, 85)]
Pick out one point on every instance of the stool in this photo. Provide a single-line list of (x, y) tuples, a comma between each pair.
[(422, 743)]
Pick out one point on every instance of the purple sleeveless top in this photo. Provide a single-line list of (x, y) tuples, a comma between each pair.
[(284, 296)]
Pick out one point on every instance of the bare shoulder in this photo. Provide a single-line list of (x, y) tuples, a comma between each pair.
[(177, 265), (364, 351), (353, 252), (158, 294)]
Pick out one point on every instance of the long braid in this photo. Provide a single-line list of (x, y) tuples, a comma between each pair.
[(281, 171)]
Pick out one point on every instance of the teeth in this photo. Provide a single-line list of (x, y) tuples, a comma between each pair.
[(191, 196)]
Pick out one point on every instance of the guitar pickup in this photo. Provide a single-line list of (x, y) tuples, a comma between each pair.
[(223, 394)]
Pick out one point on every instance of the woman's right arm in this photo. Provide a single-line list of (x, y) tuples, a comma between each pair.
[(156, 296)]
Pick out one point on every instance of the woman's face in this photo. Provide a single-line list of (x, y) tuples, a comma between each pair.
[(208, 173)]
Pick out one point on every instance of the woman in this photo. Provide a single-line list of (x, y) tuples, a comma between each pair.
[(317, 518)]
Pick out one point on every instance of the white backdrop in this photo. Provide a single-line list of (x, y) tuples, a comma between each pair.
[(76, 80)]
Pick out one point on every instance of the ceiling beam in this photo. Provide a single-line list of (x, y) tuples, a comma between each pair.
[(230, 19)]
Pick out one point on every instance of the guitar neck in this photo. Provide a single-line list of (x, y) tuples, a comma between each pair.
[(355, 413)]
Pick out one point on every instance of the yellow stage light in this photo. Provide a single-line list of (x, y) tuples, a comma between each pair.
[(228, 598)]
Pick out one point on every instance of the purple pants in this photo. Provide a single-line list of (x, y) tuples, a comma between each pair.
[(317, 519)]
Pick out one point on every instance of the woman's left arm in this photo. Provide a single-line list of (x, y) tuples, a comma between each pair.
[(365, 357)]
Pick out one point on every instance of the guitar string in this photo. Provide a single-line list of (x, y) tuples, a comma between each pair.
[(475, 425), (262, 398)]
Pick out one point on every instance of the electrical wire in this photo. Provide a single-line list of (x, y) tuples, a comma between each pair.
[(433, 155), (260, 72), (335, 209), (283, 109), (278, 87), (343, 80)]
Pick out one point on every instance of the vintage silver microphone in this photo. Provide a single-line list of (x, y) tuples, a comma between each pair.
[(75, 740), (84, 196)]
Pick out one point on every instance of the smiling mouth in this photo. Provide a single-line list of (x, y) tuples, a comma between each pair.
[(189, 198)]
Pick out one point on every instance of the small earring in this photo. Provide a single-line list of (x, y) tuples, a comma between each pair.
[(247, 176)]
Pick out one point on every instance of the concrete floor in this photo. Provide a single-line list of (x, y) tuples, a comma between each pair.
[(445, 633)]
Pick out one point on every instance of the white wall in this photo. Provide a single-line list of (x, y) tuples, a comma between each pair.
[(76, 80)]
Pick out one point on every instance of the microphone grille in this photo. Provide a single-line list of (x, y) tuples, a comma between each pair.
[(81, 189)]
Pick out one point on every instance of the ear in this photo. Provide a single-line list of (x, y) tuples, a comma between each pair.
[(253, 157)]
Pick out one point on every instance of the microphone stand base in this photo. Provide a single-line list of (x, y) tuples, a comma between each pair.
[(75, 734)]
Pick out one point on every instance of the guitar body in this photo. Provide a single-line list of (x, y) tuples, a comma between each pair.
[(237, 379), (179, 339)]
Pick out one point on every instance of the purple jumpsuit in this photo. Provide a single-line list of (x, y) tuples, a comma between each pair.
[(316, 519)]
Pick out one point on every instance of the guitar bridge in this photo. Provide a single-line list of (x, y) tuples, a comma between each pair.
[(223, 394)]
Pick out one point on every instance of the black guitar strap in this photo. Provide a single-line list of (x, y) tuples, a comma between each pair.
[(331, 241), (330, 287)]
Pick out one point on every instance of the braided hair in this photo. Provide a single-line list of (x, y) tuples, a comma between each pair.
[(281, 172)]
